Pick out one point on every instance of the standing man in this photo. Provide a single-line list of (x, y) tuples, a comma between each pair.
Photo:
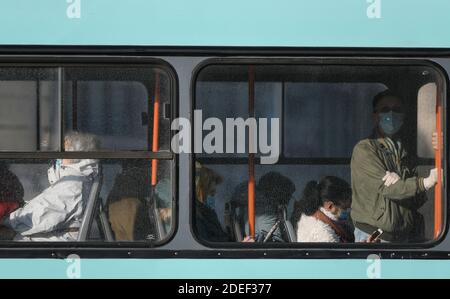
[(386, 190)]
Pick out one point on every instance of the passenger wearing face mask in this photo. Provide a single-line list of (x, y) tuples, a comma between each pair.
[(207, 224), (56, 213), (387, 192), (322, 213)]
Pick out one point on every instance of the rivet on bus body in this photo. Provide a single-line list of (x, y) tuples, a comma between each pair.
[(175, 253), (219, 253)]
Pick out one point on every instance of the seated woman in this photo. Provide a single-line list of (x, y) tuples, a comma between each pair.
[(322, 213), (206, 222), (56, 213)]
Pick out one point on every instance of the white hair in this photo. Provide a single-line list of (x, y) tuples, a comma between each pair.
[(80, 142)]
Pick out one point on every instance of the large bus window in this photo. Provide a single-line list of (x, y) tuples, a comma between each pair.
[(82, 161), (29, 111), (350, 162), (116, 105)]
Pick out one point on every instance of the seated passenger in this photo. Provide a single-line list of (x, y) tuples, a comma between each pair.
[(127, 208), (56, 213), (272, 194), (319, 213), (11, 191), (207, 224), (11, 198)]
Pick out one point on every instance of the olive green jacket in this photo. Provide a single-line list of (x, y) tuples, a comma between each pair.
[(393, 208)]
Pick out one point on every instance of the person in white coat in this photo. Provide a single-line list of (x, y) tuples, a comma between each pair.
[(322, 214), (56, 213)]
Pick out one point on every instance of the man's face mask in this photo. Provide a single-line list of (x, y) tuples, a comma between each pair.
[(391, 122)]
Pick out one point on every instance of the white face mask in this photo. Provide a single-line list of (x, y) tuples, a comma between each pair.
[(58, 163), (53, 173)]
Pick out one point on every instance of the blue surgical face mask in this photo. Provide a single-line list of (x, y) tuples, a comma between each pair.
[(391, 122), (210, 202), (344, 215)]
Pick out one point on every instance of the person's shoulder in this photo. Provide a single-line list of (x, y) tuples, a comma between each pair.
[(312, 229), (365, 143), (364, 146)]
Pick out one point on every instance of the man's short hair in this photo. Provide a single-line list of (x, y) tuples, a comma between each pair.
[(80, 142), (386, 93)]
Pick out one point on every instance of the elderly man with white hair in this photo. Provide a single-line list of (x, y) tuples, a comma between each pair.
[(56, 213)]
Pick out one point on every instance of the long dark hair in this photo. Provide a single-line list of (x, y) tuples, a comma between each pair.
[(330, 188)]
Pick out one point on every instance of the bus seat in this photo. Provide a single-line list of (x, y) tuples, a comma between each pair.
[(158, 224), (91, 191), (103, 223), (239, 236), (289, 231), (287, 228), (232, 223), (158, 231)]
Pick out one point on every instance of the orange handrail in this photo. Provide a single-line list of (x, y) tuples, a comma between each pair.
[(438, 165), (155, 136), (251, 156)]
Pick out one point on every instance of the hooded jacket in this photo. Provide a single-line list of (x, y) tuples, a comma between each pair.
[(60, 207)]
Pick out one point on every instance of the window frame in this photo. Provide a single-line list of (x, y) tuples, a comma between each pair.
[(442, 88), (44, 61)]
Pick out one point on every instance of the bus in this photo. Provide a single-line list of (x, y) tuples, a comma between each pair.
[(152, 139)]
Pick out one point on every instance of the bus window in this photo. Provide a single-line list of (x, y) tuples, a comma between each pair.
[(29, 113), (78, 162), (116, 105), (331, 117)]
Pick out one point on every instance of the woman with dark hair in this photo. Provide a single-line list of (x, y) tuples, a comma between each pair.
[(321, 213)]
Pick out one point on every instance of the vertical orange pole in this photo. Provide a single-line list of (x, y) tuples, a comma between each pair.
[(155, 136), (438, 165), (251, 156)]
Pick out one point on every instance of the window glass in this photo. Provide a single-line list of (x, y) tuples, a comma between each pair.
[(351, 155), (29, 109), (92, 172), (327, 117), (116, 105)]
